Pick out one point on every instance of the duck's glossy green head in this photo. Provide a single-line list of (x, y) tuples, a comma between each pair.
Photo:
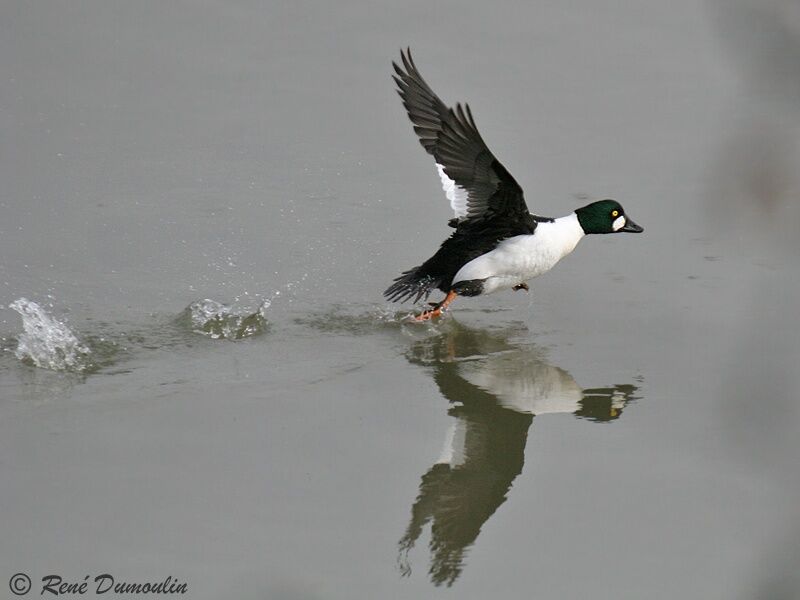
[(605, 216)]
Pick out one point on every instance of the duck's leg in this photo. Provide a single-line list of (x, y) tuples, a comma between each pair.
[(521, 286), (438, 309)]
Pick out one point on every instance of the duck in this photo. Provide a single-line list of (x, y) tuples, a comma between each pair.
[(497, 243)]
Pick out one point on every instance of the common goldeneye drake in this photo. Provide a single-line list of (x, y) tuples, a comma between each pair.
[(497, 244)]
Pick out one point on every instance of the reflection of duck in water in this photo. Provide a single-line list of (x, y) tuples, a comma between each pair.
[(495, 389)]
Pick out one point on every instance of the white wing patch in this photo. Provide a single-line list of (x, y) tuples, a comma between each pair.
[(454, 452), (456, 195)]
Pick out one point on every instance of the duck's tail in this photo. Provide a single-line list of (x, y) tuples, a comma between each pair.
[(411, 284)]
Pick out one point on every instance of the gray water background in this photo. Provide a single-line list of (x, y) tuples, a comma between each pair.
[(155, 154)]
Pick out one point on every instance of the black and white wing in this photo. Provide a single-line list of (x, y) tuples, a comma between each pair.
[(475, 182)]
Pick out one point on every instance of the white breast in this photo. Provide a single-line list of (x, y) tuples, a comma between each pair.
[(524, 257)]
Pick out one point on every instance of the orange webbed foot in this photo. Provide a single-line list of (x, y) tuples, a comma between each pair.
[(438, 308), (427, 315)]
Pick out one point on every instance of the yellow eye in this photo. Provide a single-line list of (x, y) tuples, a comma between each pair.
[(614, 213)]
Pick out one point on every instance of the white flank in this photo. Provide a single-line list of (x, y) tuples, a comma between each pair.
[(456, 195), (524, 257)]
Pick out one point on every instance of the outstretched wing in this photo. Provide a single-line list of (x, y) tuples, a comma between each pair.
[(475, 182)]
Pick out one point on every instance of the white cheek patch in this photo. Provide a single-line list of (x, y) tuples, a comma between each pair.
[(618, 223)]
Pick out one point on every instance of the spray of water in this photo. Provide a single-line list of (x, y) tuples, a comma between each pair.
[(46, 342), (222, 321)]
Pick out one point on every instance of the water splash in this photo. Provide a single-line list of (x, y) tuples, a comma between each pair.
[(222, 321), (47, 343)]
